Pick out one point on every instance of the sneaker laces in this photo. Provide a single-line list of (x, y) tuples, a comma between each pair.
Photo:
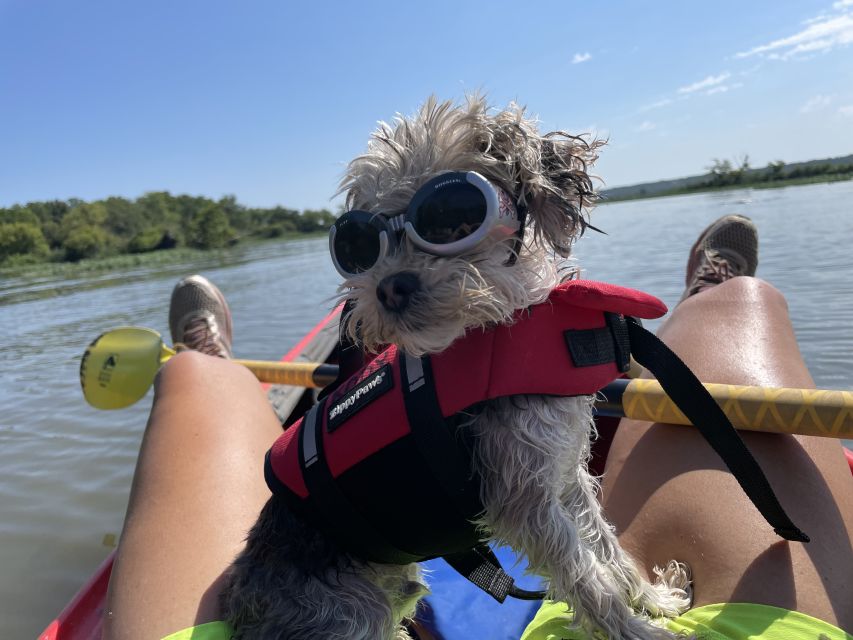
[(203, 334), (713, 270)]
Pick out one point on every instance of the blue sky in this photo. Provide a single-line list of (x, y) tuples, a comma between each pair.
[(267, 100)]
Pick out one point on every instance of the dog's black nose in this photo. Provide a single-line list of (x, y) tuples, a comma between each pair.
[(395, 291)]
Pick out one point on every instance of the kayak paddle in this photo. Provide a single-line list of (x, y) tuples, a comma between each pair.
[(120, 365)]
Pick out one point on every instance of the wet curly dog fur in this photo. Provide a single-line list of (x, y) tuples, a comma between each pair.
[(530, 452)]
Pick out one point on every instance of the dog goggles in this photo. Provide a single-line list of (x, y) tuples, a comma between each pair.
[(449, 215)]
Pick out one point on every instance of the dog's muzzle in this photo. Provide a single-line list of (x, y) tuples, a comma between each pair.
[(396, 291)]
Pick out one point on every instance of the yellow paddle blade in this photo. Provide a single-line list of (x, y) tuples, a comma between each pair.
[(119, 366)]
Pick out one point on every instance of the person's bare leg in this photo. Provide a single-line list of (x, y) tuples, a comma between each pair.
[(670, 496), (198, 488)]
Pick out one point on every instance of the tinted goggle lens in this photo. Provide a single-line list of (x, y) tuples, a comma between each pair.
[(450, 213), (356, 245)]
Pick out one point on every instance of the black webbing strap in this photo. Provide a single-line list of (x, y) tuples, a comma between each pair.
[(333, 505), (452, 472), (482, 568), (685, 390), (435, 440)]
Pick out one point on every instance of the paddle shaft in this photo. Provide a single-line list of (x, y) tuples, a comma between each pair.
[(810, 412), (298, 374)]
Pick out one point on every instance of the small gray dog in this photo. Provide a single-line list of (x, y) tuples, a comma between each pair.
[(421, 286)]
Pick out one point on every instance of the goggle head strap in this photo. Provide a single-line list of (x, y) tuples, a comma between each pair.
[(519, 235)]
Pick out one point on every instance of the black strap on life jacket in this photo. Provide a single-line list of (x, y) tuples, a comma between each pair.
[(481, 566), (451, 468), (436, 438), (688, 394), (331, 502)]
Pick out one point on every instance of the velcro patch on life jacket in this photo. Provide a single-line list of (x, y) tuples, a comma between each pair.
[(589, 347), (344, 407), (602, 345)]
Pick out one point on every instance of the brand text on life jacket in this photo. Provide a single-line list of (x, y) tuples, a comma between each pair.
[(372, 387)]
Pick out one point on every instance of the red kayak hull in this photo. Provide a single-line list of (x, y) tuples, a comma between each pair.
[(83, 616)]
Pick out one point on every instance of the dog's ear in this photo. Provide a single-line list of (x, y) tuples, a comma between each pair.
[(558, 197)]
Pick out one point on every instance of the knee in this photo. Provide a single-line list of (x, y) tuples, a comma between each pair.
[(743, 290), (753, 289), (193, 389), (186, 366), (191, 369)]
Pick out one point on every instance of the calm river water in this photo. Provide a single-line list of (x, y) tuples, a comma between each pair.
[(65, 468)]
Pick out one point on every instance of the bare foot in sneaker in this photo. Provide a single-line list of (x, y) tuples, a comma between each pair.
[(199, 317), (726, 249)]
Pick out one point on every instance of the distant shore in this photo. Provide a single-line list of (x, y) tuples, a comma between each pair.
[(727, 175), (163, 257), (682, 191)]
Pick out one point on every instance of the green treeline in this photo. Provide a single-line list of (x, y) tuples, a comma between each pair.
[(723, 173), (738, 174), (68, 231)]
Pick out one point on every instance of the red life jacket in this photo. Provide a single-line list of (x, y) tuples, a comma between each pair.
[(387, 438)]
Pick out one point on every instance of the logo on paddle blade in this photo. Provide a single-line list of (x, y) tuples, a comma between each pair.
[(106, 373)]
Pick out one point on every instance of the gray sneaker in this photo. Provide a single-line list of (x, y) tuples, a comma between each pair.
[(726, 249), (199, 317)]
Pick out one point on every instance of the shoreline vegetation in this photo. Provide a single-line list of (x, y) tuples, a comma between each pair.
[(73, 235), (725, 175), (162, 259)]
